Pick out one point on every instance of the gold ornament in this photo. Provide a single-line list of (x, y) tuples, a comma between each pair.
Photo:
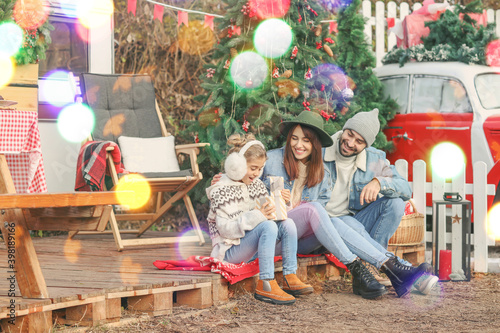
[(209, 117), (195, 38), (287, 73), (317, 31), (287, 87), (328, 50)]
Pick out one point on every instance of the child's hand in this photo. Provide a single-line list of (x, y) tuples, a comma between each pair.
[(216, 178), (286, 195), (268, 209)]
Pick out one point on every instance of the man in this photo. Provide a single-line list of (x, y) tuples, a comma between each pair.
[(359, 174), (368, 193)]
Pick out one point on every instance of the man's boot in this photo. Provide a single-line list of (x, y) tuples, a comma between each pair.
[(427, 281), (402, 277), (270, 292), (363, 282)]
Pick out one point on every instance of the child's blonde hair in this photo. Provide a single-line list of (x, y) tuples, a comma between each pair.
[(237, 141)]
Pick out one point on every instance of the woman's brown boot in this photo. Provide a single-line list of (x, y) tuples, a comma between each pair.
[(270, 292), (295, 287)]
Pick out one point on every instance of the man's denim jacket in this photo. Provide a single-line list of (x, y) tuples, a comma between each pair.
[(275, 167), (371, 163)]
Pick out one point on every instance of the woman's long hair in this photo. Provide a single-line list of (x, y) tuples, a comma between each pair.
[(315, 168)]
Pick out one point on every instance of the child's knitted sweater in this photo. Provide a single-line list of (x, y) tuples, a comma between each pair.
[(232, 212)]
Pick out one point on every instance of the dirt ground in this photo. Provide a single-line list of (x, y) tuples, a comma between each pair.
[(452, 307)]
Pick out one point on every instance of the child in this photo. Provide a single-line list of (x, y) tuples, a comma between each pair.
[(239, 230)]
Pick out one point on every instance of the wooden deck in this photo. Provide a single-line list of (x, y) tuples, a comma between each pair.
[(90, 282)]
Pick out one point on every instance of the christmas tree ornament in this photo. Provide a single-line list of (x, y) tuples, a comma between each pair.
[(233, 52), (195, 38), (288, 87), (295, 50), (318, 30), (318, 45), (276, 73), (209, 117), (287, 74), (210, 72), (30, 14), (227, 64), (223, 33), (308, 75), (196, 139), (266, 9), (245, 125), (328, 50), (347, 94)]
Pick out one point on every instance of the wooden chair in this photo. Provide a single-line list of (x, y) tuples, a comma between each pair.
[(125, 105)]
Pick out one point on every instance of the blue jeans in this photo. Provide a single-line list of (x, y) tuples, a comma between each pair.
[(315, 228), (262, 240), (381, 218)]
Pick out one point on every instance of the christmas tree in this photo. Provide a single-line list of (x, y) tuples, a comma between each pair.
[(276, 59)]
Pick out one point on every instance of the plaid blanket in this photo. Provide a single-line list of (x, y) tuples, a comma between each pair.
[(231, 272), (91, 165)]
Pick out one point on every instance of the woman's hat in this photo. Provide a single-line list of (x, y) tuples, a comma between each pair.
[(312, 120)]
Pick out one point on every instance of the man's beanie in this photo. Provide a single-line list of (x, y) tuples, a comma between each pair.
[(365, 124)]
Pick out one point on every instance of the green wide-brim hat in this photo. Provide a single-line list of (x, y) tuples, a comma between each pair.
[(310, 119)]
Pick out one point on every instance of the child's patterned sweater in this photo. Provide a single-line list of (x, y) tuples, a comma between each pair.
[(233, 212)]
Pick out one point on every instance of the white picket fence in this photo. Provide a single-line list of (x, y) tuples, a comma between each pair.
[(480, 189), (379, 21)]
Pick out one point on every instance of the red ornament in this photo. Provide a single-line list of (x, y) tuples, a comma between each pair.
[(295, 50), (300, 18), (196, 139), (318, 45), (210, 72), (308, 75), (276, 73), (245, 125), (327, 116), (227, 64), (329, 40), (322, 88)]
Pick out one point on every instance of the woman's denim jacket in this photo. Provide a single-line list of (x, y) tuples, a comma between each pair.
[(274, 167), (371, 163)]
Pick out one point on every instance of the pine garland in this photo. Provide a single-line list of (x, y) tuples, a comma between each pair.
[(450, 39)]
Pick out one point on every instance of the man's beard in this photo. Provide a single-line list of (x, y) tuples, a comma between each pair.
[(341, 141)]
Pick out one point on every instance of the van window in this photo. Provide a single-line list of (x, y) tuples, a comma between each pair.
[(397, 89), (487, 87), (439, 94)]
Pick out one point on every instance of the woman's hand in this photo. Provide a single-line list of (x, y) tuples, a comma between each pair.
[(268, 210), (287, 196), (216, 178)]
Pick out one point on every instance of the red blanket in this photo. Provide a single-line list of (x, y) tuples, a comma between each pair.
[(91, 165), (231, 272)]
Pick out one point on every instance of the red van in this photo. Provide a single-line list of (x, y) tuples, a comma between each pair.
[(444, 101)]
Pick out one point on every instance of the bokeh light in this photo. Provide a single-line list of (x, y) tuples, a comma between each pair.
[(94, 13), (133, 191), (265, 9), (447, 159), (75, 122), (30, 14), (248, 70), (272, 38), (494, 221), (130, 270), (11, 38), (185, 248), (335, 6), (6, 69), (57, 90)]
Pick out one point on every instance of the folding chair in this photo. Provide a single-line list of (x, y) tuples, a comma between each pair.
[(126, 112)]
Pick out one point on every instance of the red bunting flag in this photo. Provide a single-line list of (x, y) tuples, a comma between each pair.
[(333, 27), (182, 17), (390, 22), (131, 6), (209, 22), (158, 13)]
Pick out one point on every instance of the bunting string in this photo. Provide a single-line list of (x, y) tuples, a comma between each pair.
[(133, 3)]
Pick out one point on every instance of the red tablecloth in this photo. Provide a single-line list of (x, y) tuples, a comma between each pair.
[(20, 142)]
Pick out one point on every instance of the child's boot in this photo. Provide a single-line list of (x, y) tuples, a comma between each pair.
[(270, 292), (295, 287)]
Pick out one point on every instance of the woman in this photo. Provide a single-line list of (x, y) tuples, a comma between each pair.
[(300, 163)]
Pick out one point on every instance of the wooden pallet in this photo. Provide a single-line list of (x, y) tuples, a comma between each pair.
[(91, 283)]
